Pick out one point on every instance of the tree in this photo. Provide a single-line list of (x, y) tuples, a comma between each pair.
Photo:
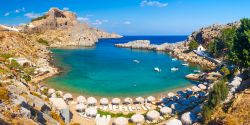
[(193, 45), (240, 54), (206, 113), (218, 93)]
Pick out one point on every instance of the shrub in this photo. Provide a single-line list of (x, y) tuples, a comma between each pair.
[(27, 78), (192, 45), (218, 93), (206, 113), (5, 55), (42, 41), (14, 65), (4, 94), (39, 18), (57, 117), (225, 71), (29, 71)]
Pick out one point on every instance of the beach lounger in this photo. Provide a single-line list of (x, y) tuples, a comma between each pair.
[(130, 108), (148, 107), (114, 108), (97, 116), (125, 108), (109, 117), (161, 118), (120, 108), (144, 108), (110, 107)]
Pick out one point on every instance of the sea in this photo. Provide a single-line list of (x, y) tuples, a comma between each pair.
[(105, 70)]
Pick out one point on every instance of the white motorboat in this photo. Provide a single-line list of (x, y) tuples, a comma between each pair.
[(197, 71), (185, 64), (174, 69), (157, 69), (136, 61), (174, 59)]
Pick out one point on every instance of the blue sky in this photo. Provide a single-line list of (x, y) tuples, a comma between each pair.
[(134, 17)]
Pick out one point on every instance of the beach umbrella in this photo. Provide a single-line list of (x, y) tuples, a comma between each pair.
[(195, 89), (173, 122), (151, 98), (91, 111), (121, 121), (101, 121), (104, 101), (91, 101), (116, 101), (166, 110), (138, 119), (188, 118), (81, 99), (53, 95), (128, 100), (171, 94), (139, 99), (67, 96), (59, 93), (80, 107), (50, 91), (153, 115), (201, 86)]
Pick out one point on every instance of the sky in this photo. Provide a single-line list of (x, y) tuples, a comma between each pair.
[(133, 17)]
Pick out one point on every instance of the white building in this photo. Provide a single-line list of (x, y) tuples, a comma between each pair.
[(200, 48)]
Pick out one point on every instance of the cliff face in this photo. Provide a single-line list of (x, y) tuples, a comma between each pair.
[(61, 28), (206, 34)]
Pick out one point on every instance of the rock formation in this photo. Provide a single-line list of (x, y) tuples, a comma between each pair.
[(206, 34), (61, 28)]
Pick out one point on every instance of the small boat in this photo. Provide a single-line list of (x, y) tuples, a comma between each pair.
[(157, 69), (197, 71), (174, 59), (136, 61), (185, 64), (174, 69)]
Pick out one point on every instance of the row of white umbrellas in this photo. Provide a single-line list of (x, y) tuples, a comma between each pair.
[(114, 101)]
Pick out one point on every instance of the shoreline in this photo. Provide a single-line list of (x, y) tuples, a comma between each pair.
[(58, 70)]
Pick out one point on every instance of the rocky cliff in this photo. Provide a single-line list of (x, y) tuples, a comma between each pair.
[(206, 34), (61, 28)]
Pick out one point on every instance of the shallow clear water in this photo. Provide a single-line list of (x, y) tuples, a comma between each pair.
[(109, 71)]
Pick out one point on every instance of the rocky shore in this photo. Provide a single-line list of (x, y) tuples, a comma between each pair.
[(178, 50)]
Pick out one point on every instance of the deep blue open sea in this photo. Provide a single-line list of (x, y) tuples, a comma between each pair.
[(105, 70)]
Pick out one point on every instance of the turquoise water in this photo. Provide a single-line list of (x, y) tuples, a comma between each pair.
[(109, 71)]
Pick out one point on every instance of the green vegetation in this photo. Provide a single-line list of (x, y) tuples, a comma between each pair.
[(5, 56), (42, 41), (216, 96), (193, 45), (223, 44), (4, 94), (57, 117), (225, 71), (240, 54), (129, 115), (14, 65), (39, 18), (27, 78), (29, 70)]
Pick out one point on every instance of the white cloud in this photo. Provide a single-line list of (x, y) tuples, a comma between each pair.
[(7, 14), (127, 22), (100, 22), (32, 15), (82, 18), (17, 11), (66, 8), (153, 3)]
